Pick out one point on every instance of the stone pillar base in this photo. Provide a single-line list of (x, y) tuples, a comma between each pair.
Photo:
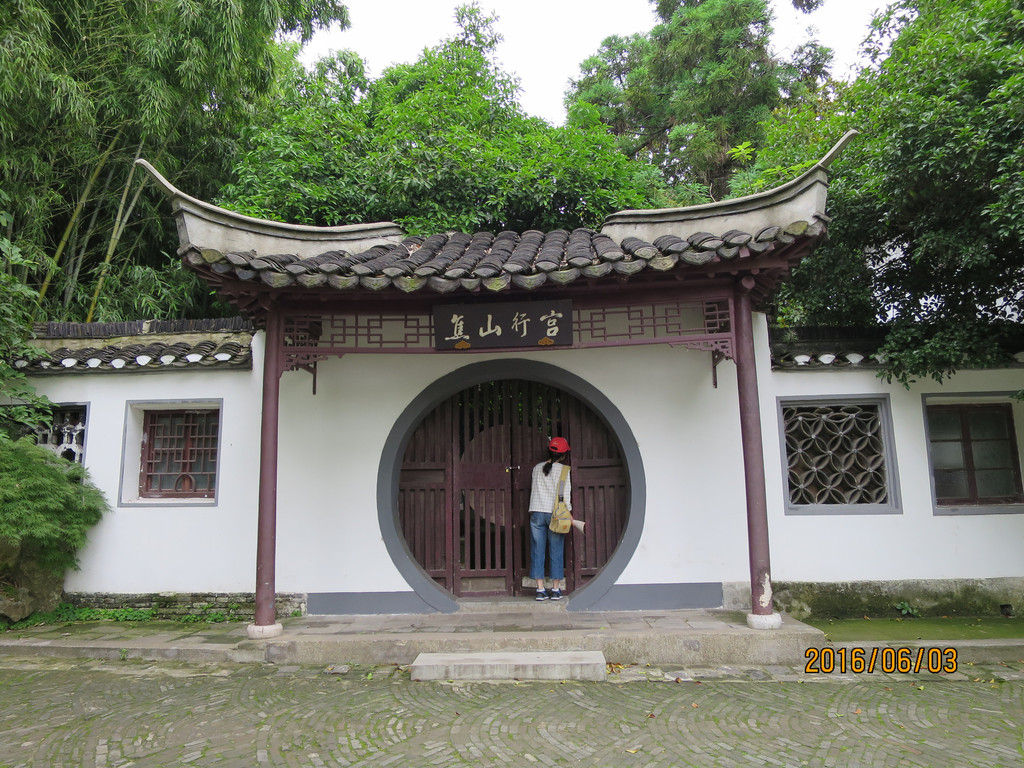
[(266, 631), (764, 621)]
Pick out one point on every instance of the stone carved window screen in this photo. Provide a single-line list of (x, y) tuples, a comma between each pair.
[(838, 456), (65, 434), (697, 323)]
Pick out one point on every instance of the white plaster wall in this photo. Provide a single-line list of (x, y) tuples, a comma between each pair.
[(916, 544), (328, 536), (169, 547), (688, 433)]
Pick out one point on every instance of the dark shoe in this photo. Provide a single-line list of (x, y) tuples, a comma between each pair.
[(555, 594), (542, 594)]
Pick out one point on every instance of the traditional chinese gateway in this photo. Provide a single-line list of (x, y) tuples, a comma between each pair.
[(379, 460)]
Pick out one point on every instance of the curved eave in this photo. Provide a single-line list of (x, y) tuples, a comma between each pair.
[(803, 198), (205, 225), (762, 236)]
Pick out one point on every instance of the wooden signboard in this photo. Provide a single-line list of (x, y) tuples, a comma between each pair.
[(514, 324)]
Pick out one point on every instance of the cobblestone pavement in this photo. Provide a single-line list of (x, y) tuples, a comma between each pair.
[(93, 713)]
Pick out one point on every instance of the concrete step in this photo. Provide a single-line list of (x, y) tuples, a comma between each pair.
[(511, 605), (963, 651), (685, 638), (677, 638), (509, 665)]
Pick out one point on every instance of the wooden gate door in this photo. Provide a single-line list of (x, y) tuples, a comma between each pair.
[(465, 486), (483, 490)]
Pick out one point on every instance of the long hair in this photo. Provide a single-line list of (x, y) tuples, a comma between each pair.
[(552, 458)]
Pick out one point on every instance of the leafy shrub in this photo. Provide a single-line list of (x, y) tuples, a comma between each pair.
[(66, 613), (47, 504)]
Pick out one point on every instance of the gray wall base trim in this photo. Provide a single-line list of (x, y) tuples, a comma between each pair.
[(648, 597), (343, 603)]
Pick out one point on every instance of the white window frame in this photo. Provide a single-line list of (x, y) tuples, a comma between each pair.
[(131, 465)]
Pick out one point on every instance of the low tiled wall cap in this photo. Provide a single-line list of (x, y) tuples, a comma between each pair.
[(814, 348), (821, 360), (811, 348), (140, 357), (461, 261)]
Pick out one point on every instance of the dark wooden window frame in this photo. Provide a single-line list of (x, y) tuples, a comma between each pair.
[(892, 505), (198, 442), (973, 502)]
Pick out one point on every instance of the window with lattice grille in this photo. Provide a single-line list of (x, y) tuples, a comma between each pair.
[(974, 454), (179, 454), (837, 456)]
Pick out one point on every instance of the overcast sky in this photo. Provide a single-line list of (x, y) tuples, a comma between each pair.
[(546, 40)]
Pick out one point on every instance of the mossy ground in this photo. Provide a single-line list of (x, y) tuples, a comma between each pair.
[(927, 628)]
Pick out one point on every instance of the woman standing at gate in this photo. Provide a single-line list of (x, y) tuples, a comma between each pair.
[(543, 494)]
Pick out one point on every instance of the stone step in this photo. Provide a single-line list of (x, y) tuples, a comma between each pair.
[(511, 605), (511, 665)]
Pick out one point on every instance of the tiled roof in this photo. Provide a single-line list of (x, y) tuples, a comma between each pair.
[(449, 262), (760, 236), (140, 346)]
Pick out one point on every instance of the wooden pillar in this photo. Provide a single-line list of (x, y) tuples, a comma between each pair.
[(266, 624), (762, 614)]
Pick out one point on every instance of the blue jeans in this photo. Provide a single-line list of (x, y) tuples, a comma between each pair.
[(541, 538)]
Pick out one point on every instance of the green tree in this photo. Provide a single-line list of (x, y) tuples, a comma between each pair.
[(88, 86), (439, 144), (927, 236), (21, 409), (698, 85)]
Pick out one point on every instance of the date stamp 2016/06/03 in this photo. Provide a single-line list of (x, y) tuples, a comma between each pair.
[(887, 660)]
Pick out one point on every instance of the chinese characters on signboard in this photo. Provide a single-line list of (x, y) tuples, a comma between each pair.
[(488, 326)]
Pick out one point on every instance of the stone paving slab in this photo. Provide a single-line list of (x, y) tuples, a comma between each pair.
[(111, 714), (522, 665)]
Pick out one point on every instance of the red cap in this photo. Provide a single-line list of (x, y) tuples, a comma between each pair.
[(558, 445)]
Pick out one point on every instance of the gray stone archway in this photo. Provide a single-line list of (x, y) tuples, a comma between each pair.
[(476, 373)]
